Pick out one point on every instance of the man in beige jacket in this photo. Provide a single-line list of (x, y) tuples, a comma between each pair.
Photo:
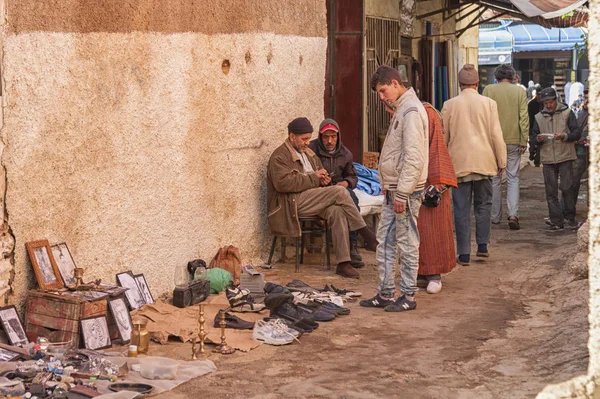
[(474, 137)]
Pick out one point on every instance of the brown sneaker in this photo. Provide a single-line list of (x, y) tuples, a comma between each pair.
[(344, 269)]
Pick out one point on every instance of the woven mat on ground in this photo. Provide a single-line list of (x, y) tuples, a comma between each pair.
[(166, 320)]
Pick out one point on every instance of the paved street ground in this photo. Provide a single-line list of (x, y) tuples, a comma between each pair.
[(501, 328)]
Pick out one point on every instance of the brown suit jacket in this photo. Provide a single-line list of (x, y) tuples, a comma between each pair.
[(285, 180)]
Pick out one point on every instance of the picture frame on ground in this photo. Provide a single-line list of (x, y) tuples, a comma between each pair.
[(94, 331), (119, 311), (44, 265), (144, 290), (64, 261), (12, 326), (133, 294), (8, 355)]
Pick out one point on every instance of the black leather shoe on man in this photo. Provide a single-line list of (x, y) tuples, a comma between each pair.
[(355, 258)]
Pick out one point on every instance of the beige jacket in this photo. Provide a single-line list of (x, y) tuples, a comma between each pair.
[(405, 154), (473, 134)]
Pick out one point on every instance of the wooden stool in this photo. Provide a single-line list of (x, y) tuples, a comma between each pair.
[(310, 225)]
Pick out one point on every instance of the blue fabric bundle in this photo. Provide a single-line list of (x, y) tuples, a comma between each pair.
[(368, 180)]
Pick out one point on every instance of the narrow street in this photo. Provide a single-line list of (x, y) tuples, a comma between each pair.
[(501, 328)]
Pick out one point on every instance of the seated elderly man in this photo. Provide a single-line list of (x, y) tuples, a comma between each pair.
[(299, 186)]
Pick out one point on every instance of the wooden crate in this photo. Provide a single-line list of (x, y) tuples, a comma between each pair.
[(371, 160), (57, 317)]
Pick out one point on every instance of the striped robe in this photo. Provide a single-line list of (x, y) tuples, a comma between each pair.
[(436, 250)]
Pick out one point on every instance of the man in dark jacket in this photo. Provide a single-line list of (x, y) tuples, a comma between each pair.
[(555, 131), (581, 148), (298, 186), (337, 161)]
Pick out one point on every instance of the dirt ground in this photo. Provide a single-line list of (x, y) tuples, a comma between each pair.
[(501, 328)]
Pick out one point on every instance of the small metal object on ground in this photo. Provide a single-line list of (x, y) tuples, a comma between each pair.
[(223, 348), (135, 387)]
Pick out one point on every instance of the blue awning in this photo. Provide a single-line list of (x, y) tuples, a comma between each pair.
[(537, 38), (495, 46)]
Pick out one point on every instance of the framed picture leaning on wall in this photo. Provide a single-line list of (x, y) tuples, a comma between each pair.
[(65, 263), (133, 294), (144, 289), (44, 266)]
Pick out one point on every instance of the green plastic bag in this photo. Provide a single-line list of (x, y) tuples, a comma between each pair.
[(219, 279)]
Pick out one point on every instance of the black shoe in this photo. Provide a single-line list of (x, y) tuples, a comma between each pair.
[(572, 223), (319, 313), (376, 302), (300, 286), (354, 254), (275, 288), (340, 311), (401, 304), (291, 310), (297, 325), (276, 299), (234, 322), (554, 228)]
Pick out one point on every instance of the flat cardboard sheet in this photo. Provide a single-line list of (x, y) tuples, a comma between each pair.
[(166, 320)]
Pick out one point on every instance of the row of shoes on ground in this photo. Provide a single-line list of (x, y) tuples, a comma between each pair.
[(301, 286), (274, 332), (310, 300), (240, 300)]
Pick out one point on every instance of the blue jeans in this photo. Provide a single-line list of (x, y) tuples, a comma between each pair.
[(478, 193), (398, 231), (513, 167)]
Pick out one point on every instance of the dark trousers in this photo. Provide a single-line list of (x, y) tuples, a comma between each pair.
[(478, 193), (580, 166), (559, 176), (353, 234)]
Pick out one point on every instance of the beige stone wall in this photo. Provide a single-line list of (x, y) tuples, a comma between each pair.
[(135, 147)]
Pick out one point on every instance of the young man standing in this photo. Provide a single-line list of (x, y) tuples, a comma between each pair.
[(403, 173), (556, 131)]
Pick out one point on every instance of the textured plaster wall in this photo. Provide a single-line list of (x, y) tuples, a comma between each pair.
[(139, 151)]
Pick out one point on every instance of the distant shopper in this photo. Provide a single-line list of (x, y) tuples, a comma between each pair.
[(518, 82), (337, 161), (474, 138), (514, 120), (582, 148), (534, 106), (436, 251), (556, 131)]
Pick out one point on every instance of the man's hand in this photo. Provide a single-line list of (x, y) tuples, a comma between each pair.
[(541, 138), (559, 136), (522, 149), (399, 206), (500, 171), (343, 183), (323, 176), (440, 187)]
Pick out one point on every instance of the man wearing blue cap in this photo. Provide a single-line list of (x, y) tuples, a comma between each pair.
[(299, 186)]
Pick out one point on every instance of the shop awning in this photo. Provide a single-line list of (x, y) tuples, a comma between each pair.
[(495, 46), (536, 38), (547, 9)]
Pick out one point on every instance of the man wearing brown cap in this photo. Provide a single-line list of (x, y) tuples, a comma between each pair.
[(338, 162), (299, 186), (474, 137)]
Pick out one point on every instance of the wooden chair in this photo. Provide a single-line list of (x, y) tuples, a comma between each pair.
[(310, 226)]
